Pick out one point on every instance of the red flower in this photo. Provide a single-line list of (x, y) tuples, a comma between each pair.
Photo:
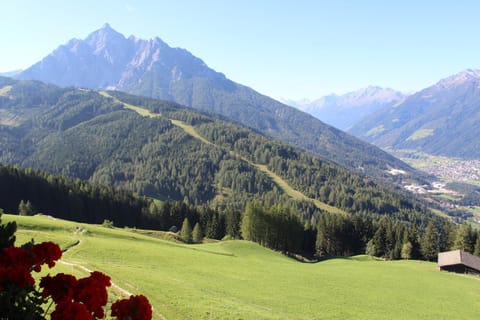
[(18, 276), (13, 256), (15, 266), (101, 278), (134, 308), (34, 257), (71, 311), (45, 252), (82, 299), (93, 293), (60, 287), (90, 292)]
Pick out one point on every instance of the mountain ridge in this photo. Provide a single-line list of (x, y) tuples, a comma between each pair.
[(443, 119), (345, 110), (151, 68)]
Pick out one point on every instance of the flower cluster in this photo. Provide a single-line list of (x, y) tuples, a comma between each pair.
[(82, 299), (135, 308), (16, 264), (87, 296)]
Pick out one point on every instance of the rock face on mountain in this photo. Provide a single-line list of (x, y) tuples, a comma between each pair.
[(344, 111), (108, 60), (443, 119)]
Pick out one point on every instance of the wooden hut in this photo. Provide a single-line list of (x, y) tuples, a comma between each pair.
[(459, 261)]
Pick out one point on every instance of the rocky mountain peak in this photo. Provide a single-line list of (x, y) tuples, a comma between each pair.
[(104, 37), (371, 94), (459, 78)]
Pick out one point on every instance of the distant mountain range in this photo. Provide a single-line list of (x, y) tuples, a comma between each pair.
[(344, 111), (108, 60), (443, 119)]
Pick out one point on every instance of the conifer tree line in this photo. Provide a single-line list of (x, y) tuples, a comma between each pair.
[(276, 227), (27, 192), (279, 227), (346, 235)]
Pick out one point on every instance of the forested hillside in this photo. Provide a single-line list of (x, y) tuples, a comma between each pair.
[(314, 177), (84, 134)]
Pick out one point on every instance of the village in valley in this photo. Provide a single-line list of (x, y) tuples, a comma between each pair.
[(455, 170)]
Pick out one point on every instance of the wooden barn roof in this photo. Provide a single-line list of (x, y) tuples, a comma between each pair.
[(456, 257)]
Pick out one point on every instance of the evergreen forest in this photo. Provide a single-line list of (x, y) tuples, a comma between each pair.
[(138, 162)]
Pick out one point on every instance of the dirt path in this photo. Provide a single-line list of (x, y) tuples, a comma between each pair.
[(124, 293)]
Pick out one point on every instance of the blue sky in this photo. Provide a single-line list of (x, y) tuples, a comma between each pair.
[(281, 48)]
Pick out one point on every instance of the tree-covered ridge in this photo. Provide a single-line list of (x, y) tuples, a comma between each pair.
[(84, 134), (315, 177)]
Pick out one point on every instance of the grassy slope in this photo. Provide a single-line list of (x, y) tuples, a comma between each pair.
[(241, 280)]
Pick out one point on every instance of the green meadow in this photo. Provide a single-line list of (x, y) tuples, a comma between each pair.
[(241, 280)]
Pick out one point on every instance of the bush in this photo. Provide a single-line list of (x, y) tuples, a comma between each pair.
[(107, 223)]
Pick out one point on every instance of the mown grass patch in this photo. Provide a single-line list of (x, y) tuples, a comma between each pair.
[(5, 90), (141, 111), (374, 131), (421, 134)]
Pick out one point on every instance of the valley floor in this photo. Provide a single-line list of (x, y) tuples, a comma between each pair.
[(241, 280), (448, 169)]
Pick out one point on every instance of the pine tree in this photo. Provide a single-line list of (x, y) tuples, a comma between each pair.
[(212, 227), (25, 208), (232, 223), (413, 237), (322, 241), (197, 234), (476, 249), (447, 235), (379, 241), (250, 226), (429, 242), (370, 248), (186, 231), (407, 250), (464, 238)]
